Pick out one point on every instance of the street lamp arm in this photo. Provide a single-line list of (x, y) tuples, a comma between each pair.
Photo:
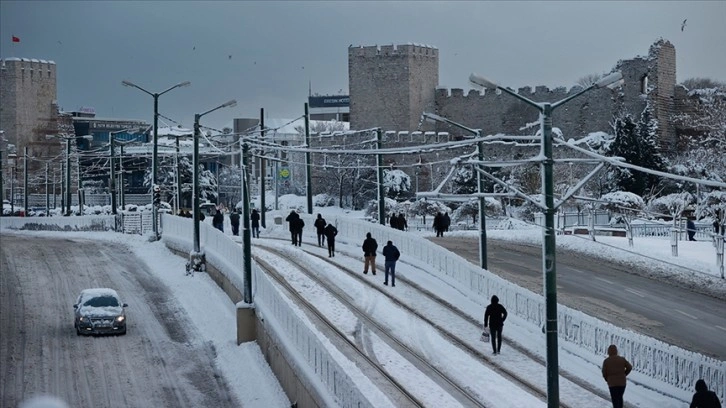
[(179, 85), (485, 83), (438, 118), (133, 85), (573, 96), (233, 102)]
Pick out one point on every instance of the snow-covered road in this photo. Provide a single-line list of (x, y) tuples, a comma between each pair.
[(160, 362)]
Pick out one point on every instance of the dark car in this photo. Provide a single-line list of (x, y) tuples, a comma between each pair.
[(99, 311)]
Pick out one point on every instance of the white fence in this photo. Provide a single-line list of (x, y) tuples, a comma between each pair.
[(564, 220)]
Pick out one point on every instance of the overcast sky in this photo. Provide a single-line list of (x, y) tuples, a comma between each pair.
[(265, 54)]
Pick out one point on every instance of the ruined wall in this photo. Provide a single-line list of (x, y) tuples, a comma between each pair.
[(391, 85)]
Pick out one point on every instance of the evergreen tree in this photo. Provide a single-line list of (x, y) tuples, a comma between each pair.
[(637, 144)]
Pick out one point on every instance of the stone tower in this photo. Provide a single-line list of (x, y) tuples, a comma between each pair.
[(28, 106), (663, 57), (390, 86)]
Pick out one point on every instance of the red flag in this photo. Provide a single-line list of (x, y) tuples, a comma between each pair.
[(16, 39)]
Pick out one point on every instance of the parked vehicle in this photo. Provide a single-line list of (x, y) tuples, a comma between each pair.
[(99, 311)]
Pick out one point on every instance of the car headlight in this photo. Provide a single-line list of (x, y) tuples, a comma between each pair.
[(120, 319), (83, 319)]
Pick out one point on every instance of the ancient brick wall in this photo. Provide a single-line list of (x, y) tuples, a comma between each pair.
[(391, 85), (28, 107)]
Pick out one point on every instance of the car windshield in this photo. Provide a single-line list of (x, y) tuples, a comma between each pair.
[(101, 301)]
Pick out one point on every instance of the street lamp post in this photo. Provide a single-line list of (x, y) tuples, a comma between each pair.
[(548, 248), (154, 157), (197, 260)]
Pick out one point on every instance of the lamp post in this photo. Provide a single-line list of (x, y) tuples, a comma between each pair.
[(548, 248), (67, 139), (154, 157), (196, 259), (12, 157)]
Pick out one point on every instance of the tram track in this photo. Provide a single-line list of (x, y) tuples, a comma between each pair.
[(533, 388)]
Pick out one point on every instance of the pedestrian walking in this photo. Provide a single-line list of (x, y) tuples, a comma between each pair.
[(292, 219), (299, 225), (494, 317), (390, 255), (704, 398), (330, 232), (614, 369), (439, 224), (370, 246), (218, 220), (691, 229), (320, 229), (394, 221), (402, 224), (255, 223), (234, 222), (447, 222)]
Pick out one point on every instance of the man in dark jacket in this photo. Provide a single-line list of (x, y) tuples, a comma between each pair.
[(494, 317), (394, 221), (614, 369), (370, 246), (402, 224), (255, 221), (218, 220), (330, 232), (691, 229), (292, 219), (703, 398), (439, 224), (234, 221), (320, 229), (299, 225), (391, 255), (447, 221)]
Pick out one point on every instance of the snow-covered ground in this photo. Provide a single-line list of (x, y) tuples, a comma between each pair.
[(214, 314)]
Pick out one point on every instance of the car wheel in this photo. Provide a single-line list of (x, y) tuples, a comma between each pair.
[(78, 331)]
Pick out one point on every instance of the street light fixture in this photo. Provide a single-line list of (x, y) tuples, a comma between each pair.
[(197, 260), (154, 157), (613, 80)]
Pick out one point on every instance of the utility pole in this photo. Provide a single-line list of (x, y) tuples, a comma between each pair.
[(113, 175), (25, 181), (482, 213), (308, 165), (68, 175), (246, 224), (47, 191), (263, 172), (379, 165)]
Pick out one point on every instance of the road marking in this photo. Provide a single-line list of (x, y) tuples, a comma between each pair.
[(641, 294), (722, 328), (686, 314), (604, 280)]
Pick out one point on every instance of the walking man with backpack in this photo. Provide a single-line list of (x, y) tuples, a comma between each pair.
[(391, 255)]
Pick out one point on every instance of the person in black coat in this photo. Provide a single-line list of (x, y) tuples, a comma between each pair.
[(439, 224), (703, 398), (330, 233), (292, 222), (234, 222), (402, 224), (394, 221), (370, 246), (691, 229), (447, 222), (320, 229), (255, 223), (391, 255), (299, 225), (494, 317), (218, 220)]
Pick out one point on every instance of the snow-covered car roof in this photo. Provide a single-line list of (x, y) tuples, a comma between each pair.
[(97, 292)]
